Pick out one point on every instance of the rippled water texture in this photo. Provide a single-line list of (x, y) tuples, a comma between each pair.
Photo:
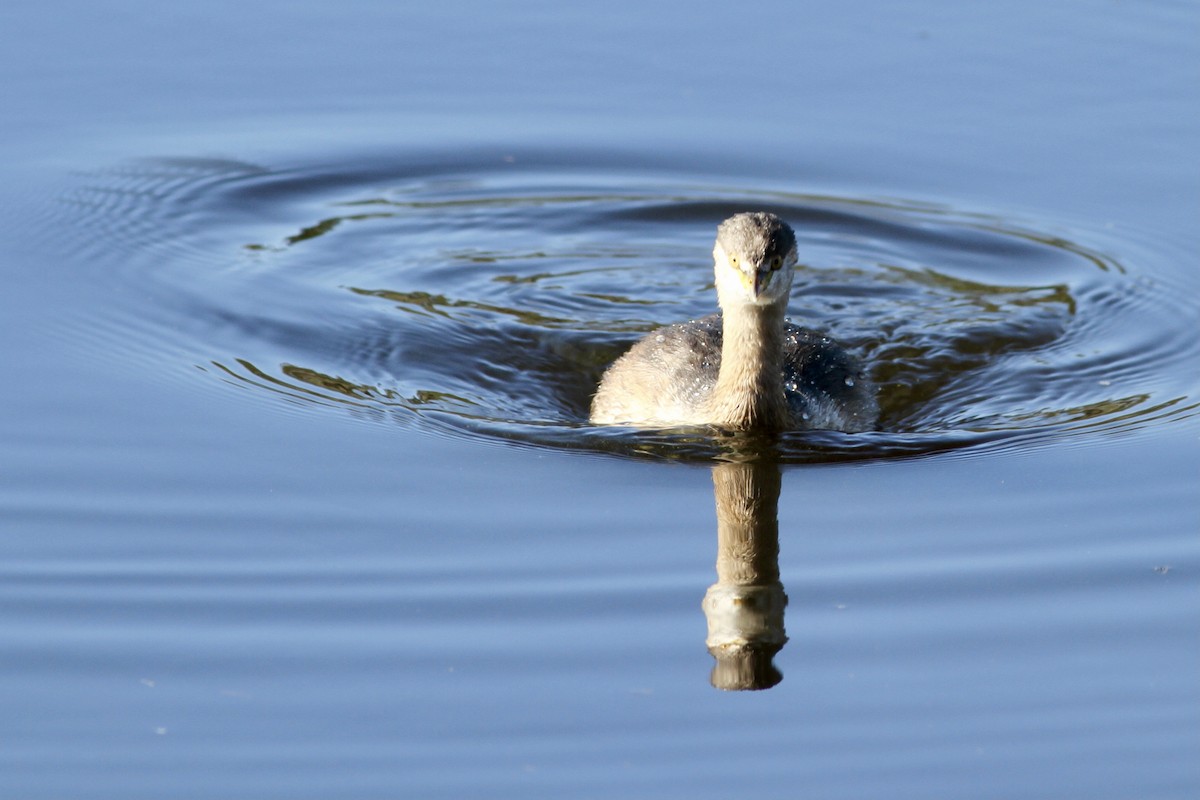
[(484, 294), (304, 305)]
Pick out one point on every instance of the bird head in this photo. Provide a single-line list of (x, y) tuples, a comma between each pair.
[(754, 256)]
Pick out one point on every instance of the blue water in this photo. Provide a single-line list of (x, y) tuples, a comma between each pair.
[(302, 308)]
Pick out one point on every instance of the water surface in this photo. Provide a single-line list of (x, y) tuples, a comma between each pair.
[(301, 315)]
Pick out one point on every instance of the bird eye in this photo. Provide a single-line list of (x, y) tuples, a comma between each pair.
[(776, 262), (733, 260)]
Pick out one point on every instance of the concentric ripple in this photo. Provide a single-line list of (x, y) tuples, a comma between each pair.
[(484, 295)]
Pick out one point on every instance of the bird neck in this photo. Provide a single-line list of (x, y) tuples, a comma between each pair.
[(749, 392)]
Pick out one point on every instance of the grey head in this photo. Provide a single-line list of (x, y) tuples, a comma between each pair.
[(754, 255), (757, 236)]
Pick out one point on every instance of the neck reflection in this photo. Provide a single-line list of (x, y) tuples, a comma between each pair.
[(745, 606)]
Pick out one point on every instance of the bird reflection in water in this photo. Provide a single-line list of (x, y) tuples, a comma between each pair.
[(745, 606)]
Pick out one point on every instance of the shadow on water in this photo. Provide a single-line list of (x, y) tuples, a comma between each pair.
[(483, 296)]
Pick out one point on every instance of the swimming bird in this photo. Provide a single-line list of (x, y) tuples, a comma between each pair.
[(746, 368)]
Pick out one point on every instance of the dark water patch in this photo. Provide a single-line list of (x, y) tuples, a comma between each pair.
[(483, 296)]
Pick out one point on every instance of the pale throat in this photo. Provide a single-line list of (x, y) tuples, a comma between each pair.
[(749, 391)]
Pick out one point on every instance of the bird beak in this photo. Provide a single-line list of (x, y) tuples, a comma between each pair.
[(755, 282), (761, 279)]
